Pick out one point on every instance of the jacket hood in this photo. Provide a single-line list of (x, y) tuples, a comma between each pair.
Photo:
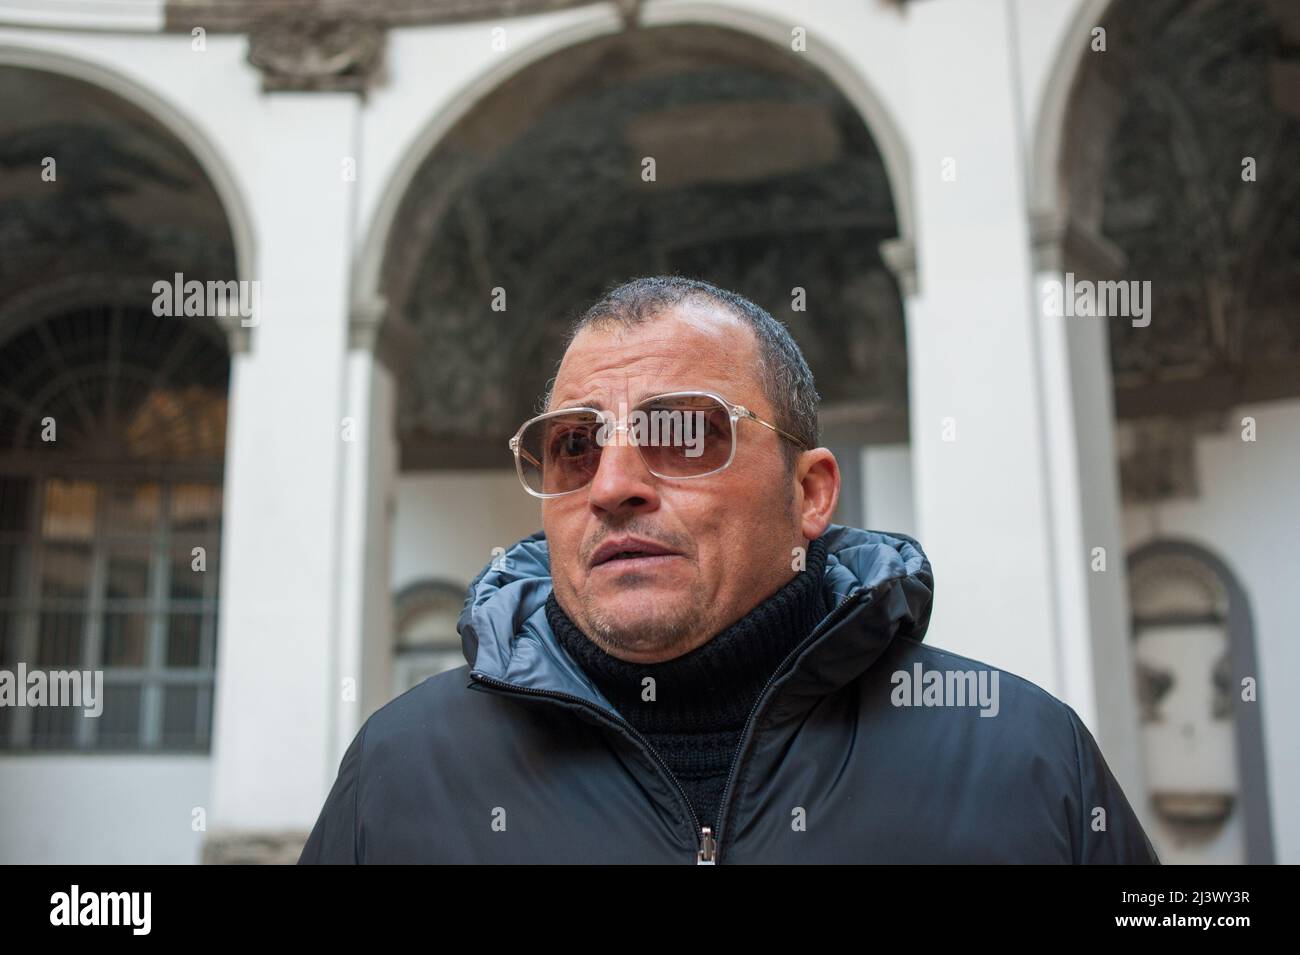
[(879, 585)]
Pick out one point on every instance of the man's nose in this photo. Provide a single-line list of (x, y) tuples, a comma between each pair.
[(621, 478)]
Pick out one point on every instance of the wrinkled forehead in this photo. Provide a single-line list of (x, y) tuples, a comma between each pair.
[(687, 348)]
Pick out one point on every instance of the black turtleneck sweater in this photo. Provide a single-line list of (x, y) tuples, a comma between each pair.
[(704, 697)]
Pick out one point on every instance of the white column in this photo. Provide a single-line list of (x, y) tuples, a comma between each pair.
[(1084, 470), (887, 488), (278, 689), (978, 433), (1010, 415), (370, 465)]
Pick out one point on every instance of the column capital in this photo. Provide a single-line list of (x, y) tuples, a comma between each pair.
[(1060, 243), (899, 256), (239, 336), (391, 339)]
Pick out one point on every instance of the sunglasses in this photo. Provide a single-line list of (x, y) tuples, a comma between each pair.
[(679, 434)]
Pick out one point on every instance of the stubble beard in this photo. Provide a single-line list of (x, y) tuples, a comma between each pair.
[(667, 627)]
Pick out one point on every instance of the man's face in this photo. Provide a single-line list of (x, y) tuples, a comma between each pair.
[(732, 533)]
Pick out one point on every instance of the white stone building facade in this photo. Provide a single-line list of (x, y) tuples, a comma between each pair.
[(343, 148)]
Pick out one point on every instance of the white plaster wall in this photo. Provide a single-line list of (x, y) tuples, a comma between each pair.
[(142, 15), (1247, 513), (887, 489), (447, 523), (82, 810)]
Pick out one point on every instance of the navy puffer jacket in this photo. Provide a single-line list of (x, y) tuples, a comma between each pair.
[(866, 746)]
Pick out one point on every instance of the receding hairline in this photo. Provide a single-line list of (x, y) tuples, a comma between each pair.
[(707, 311)]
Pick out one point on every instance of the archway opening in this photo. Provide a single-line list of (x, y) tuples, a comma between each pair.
[(685, 149), (112, 418), (1177, 150)]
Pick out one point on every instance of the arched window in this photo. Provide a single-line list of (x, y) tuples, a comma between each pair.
[(427, 642), (1201, 741), (112, 442)]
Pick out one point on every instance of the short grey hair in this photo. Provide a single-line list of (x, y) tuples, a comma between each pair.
[(786, 378)]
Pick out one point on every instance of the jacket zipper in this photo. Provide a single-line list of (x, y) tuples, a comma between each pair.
[(853, 598), (707, 853)]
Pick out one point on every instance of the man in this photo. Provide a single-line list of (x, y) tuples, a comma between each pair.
[(691, 663)]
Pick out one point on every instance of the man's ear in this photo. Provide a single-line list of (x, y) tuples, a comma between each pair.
[(817, 476)]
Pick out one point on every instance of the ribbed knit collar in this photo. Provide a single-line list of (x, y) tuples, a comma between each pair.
[(712, 688)]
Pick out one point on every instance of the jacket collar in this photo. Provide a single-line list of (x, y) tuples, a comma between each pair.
[(879, 586)]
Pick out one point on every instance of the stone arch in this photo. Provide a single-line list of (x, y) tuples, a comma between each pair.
[(442, 186), (426, 641), (210, 158), (368, 301), (1145, 165), (1047, 195)]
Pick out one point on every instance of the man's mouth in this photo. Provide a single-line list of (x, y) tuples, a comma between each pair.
[(631, 553)]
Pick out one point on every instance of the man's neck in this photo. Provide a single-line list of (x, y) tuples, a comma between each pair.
[(693, 707)]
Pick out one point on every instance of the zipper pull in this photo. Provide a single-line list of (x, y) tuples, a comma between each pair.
[(708, 848)]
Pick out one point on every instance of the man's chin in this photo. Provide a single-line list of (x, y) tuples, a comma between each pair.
[(641, 622)]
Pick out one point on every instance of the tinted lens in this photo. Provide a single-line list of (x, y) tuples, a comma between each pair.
[(560, 453), (683, 437)]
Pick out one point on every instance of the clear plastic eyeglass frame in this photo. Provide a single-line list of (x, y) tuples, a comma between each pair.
[(737, 413)]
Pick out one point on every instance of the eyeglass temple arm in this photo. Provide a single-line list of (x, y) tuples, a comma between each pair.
[(746, 413)]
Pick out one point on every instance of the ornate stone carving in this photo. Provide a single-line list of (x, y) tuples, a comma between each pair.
[(630, 12), (316, 55), (331, 45)]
